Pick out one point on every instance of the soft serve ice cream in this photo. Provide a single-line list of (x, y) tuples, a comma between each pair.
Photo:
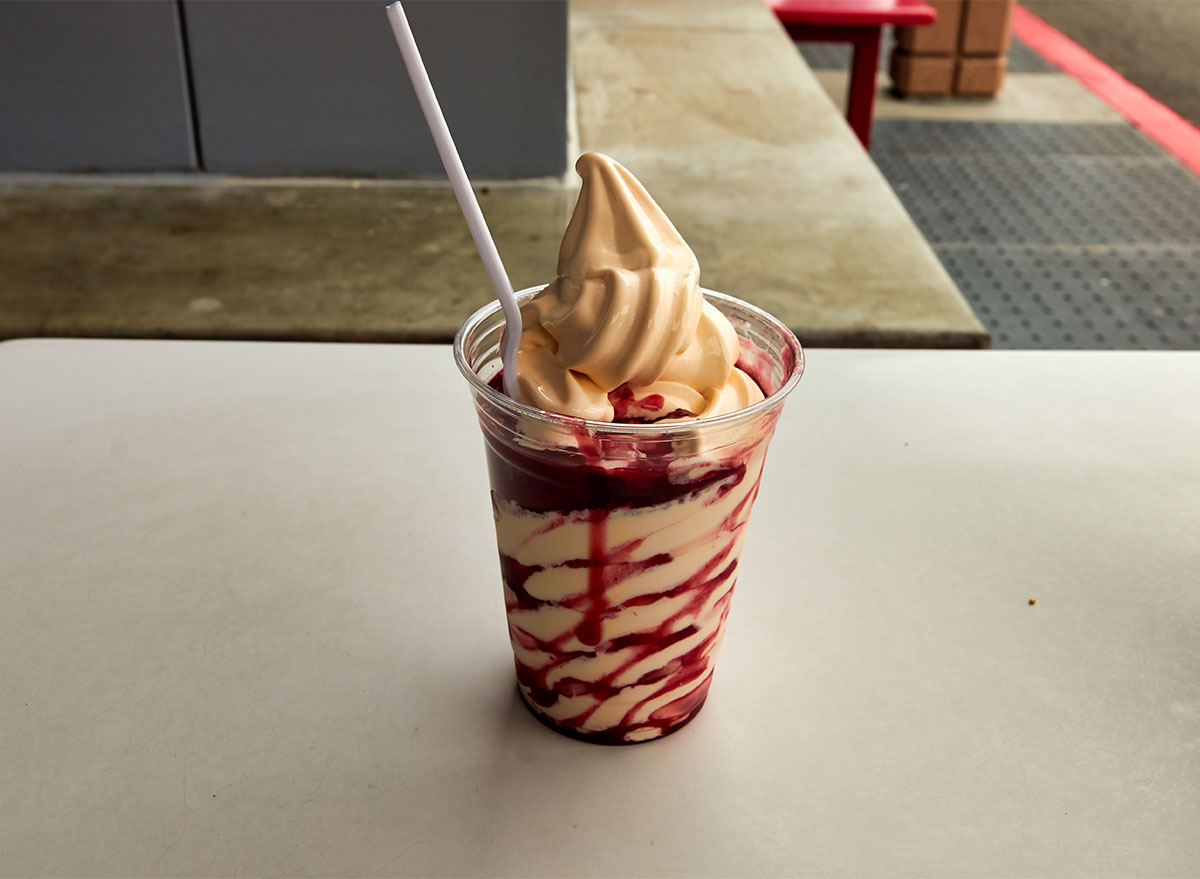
[(623, 333), (619, 544)]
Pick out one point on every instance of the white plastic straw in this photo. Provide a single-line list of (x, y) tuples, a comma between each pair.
[(462, 189)]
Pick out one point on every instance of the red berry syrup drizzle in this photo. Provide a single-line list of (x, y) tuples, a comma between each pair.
[(571, 485), (707, 590), (689, 673)]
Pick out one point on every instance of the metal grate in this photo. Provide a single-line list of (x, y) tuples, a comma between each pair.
[(828, 56), (1046, 200), (1022, 59), (1060, 236), (909, 136), (1101, 297), (836, 56)]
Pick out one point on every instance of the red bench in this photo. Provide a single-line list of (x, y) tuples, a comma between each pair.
[(860, 23)]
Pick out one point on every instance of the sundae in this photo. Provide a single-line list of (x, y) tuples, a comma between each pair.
[(624, 474)]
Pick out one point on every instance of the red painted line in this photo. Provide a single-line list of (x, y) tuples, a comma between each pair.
[(1156, 120)]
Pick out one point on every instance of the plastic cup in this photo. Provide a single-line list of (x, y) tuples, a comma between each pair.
[(619, 543)]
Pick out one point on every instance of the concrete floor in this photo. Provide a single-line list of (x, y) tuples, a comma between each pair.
[(1152, 43)]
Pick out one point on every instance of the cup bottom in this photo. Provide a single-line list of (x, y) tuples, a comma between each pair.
[(610, 736)]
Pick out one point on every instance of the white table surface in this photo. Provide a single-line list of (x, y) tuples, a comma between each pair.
[(251, 623)]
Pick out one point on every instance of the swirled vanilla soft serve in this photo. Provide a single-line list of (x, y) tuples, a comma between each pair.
[(623, 333)]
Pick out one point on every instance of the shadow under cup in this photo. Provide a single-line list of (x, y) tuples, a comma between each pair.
[(619, 543)]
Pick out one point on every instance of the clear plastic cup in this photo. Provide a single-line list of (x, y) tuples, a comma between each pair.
[(619, 543)]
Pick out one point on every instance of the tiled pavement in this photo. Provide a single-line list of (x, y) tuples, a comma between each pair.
[(1061, 234)]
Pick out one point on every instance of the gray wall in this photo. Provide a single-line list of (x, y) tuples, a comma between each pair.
[(92, 86), (319, 85), (279, 86)]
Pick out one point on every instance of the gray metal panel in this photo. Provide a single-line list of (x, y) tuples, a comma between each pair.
[(92, 86), (319, 87)]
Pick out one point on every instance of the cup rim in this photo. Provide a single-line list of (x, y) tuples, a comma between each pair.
[(657, 429)]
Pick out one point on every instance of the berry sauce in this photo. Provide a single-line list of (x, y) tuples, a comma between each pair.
[(573, 487)]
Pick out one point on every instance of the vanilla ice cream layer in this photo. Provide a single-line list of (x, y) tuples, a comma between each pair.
[(615, 616)]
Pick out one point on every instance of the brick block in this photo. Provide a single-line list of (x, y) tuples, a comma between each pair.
[(986, 26), (980, 77), (939, 38), (922, 75)]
